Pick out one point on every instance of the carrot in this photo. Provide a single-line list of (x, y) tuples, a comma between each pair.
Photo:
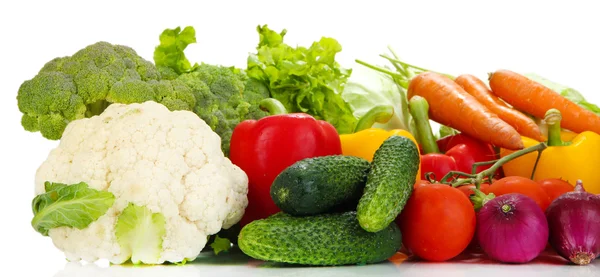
[(523, 124), (452, 106), (536, 99)]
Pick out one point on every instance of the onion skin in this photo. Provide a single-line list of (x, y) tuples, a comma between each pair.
[(512, 228), (574, 222)]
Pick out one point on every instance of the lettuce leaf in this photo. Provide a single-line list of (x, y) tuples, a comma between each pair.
[(64, 205), (368, 88), (169, 53), (307, 80), (140, 234), (569, 93)]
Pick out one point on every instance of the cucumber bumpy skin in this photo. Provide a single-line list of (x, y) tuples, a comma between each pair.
[(320, 240), (321, 185), (389, 184)]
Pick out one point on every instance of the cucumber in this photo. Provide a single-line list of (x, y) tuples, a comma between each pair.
[(389, 183), (320, 185), (325, 240)]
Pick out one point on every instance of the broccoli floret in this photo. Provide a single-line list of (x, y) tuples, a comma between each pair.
[(84, 84), (222, 98)]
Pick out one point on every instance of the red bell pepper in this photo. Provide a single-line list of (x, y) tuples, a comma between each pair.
[(453, 153), (264, 148)]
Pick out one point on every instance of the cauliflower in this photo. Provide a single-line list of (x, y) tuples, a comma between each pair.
[(171, 186)]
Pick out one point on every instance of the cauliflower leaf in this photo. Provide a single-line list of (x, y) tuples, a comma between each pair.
[(140, 234), (68, 206)]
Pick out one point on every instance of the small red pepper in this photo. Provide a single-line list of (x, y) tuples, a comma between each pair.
[(264, 148), (453, 153)]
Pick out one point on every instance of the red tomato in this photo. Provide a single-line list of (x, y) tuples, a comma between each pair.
[(555, 187), (421, 183), (437, 223), (467, 189), (518, 184)]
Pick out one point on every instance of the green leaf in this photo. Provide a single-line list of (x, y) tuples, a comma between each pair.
[(170, 52), (220, 245), (569, 93), (307, 80), (140, 234), (446, 131), (74, 206)]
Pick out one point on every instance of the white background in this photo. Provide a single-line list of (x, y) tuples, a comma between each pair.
[(556, 39)]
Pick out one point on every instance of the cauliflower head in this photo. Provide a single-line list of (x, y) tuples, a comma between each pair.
[(172, 185)]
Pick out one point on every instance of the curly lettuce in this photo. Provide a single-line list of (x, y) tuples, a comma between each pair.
[(304, 79)]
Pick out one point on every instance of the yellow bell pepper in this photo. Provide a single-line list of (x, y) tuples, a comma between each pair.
[(569, 156), (364, 143)]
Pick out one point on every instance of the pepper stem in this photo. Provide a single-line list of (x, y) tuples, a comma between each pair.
[(272, 106), (552, 119), (419, 109), (377, 114)]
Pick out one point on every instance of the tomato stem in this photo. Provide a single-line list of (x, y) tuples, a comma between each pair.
[(477, 179), (478, 164), (479, 199)]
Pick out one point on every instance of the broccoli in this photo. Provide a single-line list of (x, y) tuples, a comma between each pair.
[(225, 97), (84, 84)]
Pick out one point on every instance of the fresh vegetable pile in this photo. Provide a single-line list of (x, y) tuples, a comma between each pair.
[(296, 159)]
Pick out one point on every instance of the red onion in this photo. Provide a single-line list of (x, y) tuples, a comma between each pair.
[(512, 228), (574, 220)]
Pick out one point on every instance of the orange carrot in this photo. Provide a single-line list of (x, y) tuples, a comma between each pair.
[(452, 106), (536, 99), (522, 123)]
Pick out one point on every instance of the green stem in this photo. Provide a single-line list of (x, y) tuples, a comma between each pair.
[(452, 174), (478, 164), (479, 198), (552, 119), (489, 173), (379, 114), (380, 69), (272, 106), (419, 109), (401, 69), (392, 60), (537, 160), (463, 181)]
